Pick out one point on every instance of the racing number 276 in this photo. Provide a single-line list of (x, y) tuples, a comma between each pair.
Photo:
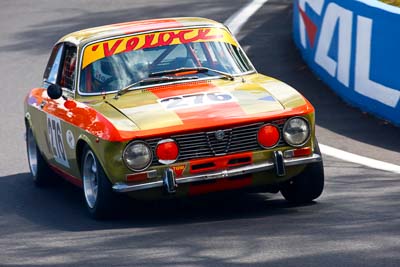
[(56, 140), (192, 100)]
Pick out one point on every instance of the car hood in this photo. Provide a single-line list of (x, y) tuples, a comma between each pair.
[(208, 104)]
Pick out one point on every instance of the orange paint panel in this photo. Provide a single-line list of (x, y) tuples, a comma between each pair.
[(78, 114)]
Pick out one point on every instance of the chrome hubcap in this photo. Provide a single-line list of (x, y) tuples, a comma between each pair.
[(32, 152), (90, 182)]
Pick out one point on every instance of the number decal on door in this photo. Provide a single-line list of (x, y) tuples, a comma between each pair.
[(56, 142)]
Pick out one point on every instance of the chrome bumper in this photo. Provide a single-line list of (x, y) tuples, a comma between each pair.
[(248, 169)]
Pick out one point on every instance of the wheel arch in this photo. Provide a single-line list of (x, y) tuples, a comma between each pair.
[(80, 145), (28, 120), (83, 141)]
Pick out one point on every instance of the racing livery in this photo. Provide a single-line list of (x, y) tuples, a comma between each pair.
[(167, 107)]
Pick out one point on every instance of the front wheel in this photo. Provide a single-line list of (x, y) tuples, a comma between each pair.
[(306, 186), (99, 197)]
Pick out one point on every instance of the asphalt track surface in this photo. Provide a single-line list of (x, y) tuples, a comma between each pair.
[(356, 222)]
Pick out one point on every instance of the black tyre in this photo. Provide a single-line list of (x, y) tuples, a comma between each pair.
[(40, 170), (99, 197), (306, 186)]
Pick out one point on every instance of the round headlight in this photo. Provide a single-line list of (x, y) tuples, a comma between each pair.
[(296, 131), (137, 156)]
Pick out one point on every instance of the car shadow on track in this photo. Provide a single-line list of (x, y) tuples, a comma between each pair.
[(349, 226), (61, 206)]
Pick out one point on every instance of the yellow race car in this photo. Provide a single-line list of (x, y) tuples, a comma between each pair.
[(167, 107)]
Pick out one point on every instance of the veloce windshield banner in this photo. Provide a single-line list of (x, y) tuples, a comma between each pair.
[(354, 47)]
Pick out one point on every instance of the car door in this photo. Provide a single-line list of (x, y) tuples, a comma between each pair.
[(38, 102), (60, 140)]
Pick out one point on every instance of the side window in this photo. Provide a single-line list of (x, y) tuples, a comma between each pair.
[(51, 72), (68, 67)]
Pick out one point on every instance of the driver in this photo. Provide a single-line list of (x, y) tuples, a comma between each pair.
[(115, 72), (103, 75)]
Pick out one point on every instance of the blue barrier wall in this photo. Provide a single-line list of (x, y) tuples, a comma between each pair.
[(354, 47)]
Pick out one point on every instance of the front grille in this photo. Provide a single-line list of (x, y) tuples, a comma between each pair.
[(219, 146), (206, 144)]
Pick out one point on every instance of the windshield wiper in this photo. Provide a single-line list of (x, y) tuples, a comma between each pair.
[(187, 69), (150, 80)]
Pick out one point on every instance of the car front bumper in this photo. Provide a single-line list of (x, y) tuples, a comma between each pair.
[(170, 182)]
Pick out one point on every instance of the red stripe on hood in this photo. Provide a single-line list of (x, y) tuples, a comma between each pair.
[(209, 113)]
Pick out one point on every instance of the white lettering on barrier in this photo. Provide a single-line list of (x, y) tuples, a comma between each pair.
[(337, 16), (363, 84), (317, 6)]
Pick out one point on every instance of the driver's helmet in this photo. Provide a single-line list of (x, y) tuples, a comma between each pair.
[(102, 70)]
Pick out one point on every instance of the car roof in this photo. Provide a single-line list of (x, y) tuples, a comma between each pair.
[(107, 31)]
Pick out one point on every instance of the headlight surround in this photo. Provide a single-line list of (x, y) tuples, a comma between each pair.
[(296, 131), (137, 156)]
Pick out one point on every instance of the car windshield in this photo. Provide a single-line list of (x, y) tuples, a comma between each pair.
[(111, 65)]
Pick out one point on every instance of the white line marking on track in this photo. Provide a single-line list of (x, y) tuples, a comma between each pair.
[(235, 23), (240, 17), (354, 158)]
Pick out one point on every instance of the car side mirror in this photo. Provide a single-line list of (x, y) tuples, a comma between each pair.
[(54, 91)]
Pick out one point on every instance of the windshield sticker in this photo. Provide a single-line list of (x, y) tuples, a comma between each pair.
[(195, 100), (108, 48)]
